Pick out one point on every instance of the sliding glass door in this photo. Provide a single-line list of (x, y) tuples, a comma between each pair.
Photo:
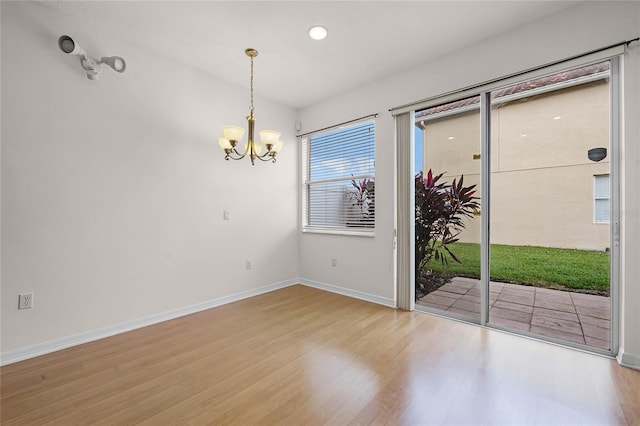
[(447, 199), (550, 206), (536, 259)]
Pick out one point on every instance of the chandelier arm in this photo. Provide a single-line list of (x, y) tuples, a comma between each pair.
[(240, 156), (267, 157), (230, 156), (230, 153)]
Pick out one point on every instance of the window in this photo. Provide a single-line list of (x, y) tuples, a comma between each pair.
[(339, 179), (601, 196)]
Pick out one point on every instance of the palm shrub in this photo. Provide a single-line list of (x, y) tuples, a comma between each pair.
[(440, 212), (364, 198)]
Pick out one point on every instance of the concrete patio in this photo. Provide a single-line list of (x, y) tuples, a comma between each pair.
[(575, 317)]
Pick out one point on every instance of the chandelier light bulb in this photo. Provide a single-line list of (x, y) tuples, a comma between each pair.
[(277, 147), (224, 143), (269, 136), (233, 133)]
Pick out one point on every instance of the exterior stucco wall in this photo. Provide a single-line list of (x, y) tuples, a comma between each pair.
[(542, 181)]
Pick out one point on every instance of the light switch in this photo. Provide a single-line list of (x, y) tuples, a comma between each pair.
[(225, 214)]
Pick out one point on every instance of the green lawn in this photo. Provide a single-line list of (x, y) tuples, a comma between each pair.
[(538, 266)]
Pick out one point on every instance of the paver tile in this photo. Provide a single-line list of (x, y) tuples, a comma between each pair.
[(476, 284), (556, 296), (496, 286), (517, 292), (597, 322), (595, 332), (556, 323), (524, 326), (464, 312), (564, 307), (474, 292), (586, 296), (470, 298), (438, 299), (513, 306), (518, 287), (467, 306), (569, 316), (604, 303), (597, 343), (510, 314), (452, 288), (523, 299), (443, 293), (558, 334), (464, 282), (548, 290), (593, 312), (422, 302)]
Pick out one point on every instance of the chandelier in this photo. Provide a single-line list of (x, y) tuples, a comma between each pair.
[(233, 134)]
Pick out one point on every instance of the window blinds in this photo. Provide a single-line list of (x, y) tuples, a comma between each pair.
[(339, 181)]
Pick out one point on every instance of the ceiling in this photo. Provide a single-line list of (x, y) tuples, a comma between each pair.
[(368, 40)]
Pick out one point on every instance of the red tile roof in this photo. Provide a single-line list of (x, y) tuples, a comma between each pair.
[(564, 76)]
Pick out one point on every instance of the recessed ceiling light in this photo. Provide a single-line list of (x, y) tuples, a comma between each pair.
[(451, 138), (318, 32), (524, 135), (557, 117)]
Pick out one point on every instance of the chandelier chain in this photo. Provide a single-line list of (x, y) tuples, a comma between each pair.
[(251, 107)]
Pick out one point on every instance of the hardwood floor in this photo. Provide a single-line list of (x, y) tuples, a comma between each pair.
[(303, 356)]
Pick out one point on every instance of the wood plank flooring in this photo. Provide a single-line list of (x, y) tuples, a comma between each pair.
[(303, 356)]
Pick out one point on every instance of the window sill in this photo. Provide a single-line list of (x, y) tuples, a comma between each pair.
[(344, 232)]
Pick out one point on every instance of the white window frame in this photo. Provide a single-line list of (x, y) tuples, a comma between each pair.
[(368, 231), (597, 198)]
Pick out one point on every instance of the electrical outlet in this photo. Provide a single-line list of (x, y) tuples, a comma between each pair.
[(334, 261), (25, 301), (247, 264)]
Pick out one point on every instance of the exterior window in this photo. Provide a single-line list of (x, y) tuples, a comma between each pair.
[(601, 192), (339, 179)]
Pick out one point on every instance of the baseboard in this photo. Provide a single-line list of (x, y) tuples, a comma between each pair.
[(348, 292), (628, 360), (10, 357)]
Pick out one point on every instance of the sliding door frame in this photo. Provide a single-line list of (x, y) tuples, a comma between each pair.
[(405, 144), (616, 197)]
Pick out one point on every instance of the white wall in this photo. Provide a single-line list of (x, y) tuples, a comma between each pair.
[(365, 265), (113, 190)]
